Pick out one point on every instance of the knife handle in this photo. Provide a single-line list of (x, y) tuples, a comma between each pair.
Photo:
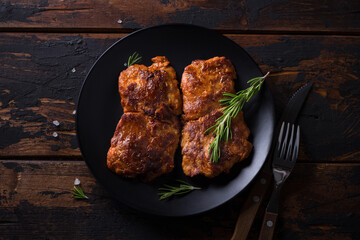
[(251, 206), (268, 226)]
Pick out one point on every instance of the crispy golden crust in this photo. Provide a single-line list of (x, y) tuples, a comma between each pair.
[(143, 146), (202, 85), (195, 146), (152, 90), (147, 135)]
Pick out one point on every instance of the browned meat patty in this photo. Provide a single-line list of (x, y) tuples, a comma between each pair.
[(143, 146), (148, 132), (203, 83), (153, 90), (195, 146)]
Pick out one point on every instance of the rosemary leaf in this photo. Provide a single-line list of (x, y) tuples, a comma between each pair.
[(233, 105), (78, 193), (169, 191), (134, 59)]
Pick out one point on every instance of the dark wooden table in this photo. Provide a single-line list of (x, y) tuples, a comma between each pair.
[(46, 49)]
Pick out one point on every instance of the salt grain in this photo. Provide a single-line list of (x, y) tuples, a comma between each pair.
[(119, 21), (73, 70), (76, 182), (74, 112), (56, 123), (55, 134)]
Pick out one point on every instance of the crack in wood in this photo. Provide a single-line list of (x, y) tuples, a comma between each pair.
[(8, 223), (65, 9)]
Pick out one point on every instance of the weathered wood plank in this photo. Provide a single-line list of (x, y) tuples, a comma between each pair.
[(41, 76), (248, 15), (318, 201), (40, 81)]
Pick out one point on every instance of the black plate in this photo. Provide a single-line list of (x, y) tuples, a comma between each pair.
[(99, 110)]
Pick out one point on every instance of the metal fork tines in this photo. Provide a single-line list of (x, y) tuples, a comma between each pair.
[(284, 159)]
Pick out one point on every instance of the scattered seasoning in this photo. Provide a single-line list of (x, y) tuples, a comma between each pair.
[(168, 191), (56, 123), (77, 190), (78, 193), (55, 134), (133, 59), (74, 112), (73, 70), (76, 182), (119, 21)]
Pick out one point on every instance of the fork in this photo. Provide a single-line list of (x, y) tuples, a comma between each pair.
[(284, 159)]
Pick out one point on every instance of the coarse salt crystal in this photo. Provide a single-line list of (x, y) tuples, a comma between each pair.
[(55, 134), (56, 123), (76, 182)]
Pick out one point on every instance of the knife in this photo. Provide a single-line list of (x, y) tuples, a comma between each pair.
[(262, 183)]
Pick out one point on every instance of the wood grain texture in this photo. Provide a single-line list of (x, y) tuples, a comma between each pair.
[(268, 226), (40, 81), (245, 15), (249, 209), (35, 199), (41, 77)]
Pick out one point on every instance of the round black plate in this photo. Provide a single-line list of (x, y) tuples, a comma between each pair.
[(99, 110)]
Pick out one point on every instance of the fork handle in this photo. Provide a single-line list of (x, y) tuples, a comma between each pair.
[(268, 226)]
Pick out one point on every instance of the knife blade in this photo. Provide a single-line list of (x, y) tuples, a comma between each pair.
[(262, 183), (290, 114), (295, 104)]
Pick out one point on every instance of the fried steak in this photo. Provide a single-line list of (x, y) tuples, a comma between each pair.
[(147, 135), (143, 146), (202, 84), (152, 90)]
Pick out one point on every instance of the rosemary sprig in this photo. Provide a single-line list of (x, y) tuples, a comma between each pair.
[(134, 59), (168, 191), (234, 103), (78, 193)]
